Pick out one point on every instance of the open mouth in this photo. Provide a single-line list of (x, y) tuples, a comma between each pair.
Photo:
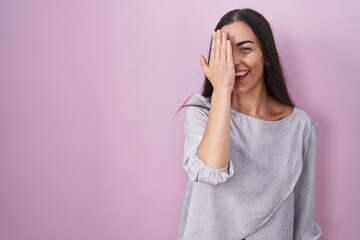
[(240, 75)]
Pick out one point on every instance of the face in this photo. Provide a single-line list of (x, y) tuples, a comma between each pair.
[(247, 55)]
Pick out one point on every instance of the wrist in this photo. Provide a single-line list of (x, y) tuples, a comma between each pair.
[(224, 92)]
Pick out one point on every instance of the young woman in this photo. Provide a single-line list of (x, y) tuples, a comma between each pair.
[(249, 152)]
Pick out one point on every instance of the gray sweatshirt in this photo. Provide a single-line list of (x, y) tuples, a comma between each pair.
[(267, 191)]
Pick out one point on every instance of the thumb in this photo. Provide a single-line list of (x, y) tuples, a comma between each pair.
[(203, 63)]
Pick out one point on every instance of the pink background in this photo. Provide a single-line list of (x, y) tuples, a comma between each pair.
[(89, 144)]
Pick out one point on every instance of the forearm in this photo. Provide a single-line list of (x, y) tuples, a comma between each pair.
[(214, 148)]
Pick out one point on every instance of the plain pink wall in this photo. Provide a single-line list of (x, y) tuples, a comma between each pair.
[(89, 145)]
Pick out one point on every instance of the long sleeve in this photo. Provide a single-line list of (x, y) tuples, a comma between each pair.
[(197, 170), (305, 226)]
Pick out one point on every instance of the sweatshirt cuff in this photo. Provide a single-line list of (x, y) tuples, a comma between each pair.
[(199, 171)]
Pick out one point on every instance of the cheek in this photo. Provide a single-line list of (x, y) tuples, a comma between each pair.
[(252, 61), (247, 59), (257, 62)]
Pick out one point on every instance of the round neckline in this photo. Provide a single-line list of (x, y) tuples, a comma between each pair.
[(263, 120)]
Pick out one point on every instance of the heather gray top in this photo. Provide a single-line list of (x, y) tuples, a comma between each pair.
[(267, 191)]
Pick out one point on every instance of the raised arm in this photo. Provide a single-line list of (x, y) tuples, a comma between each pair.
[(207, 144), (214, 148)]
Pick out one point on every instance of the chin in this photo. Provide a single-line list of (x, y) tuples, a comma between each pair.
[(238, 90)]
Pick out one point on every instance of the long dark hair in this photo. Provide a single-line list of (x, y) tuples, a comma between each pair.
[(274, 78)]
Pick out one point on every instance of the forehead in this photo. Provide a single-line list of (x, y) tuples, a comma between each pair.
[(239, 31)]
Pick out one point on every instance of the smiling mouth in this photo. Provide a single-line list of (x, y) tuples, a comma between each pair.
[(240, 75)]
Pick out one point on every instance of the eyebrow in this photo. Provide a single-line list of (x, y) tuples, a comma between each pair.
[(243, 42)]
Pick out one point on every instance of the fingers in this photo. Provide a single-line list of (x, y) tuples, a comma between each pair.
[(218, 45), (229, 57), (223, 47), (219, 69)]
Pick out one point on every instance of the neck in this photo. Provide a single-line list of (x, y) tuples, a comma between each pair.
[(255, 103)]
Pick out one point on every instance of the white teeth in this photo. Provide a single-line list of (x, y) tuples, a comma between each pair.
[(241, 73)]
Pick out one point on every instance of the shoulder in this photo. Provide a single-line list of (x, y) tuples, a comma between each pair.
[(197, 107), (310, 126), (305, 117), (198, 99)]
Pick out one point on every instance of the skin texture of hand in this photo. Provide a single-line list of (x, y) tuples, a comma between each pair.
[(214, 148), (220, 70)]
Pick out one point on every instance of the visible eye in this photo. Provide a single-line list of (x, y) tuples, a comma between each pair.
[(245, 50)]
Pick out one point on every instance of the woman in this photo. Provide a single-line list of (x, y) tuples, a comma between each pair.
[(249, 152)]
